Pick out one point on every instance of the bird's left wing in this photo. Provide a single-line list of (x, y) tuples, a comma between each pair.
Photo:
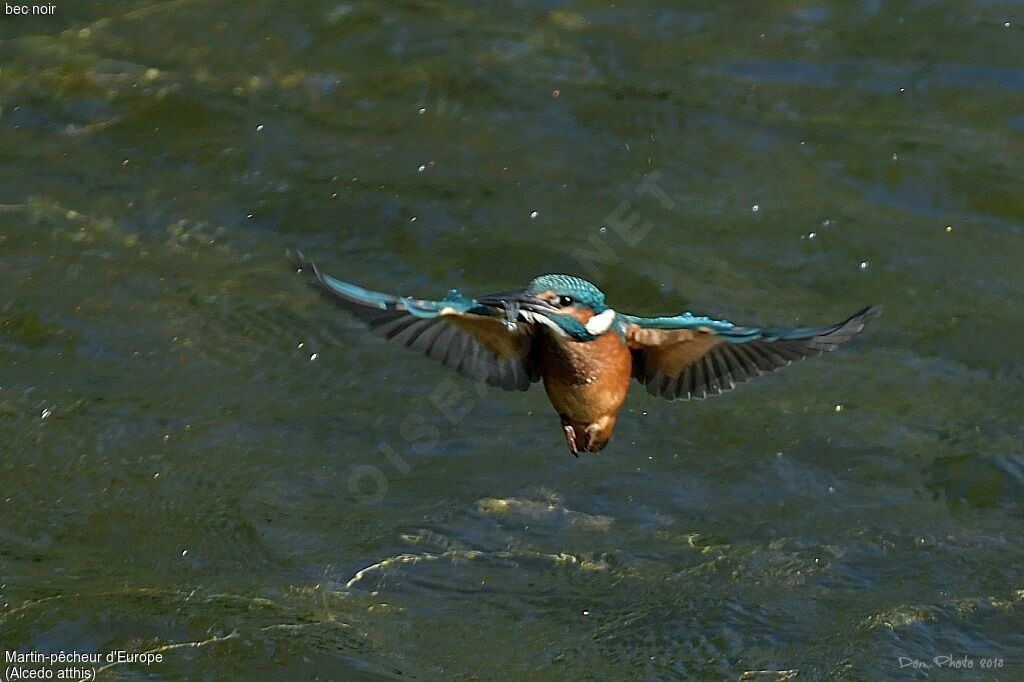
[(687, 356), (478, 341)]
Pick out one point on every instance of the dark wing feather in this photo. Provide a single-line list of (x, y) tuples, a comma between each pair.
[(688, 357), (457, 332)]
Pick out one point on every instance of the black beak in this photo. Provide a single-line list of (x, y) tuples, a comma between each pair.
[(523, 299)]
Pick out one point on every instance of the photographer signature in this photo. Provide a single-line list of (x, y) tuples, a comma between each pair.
[(964, 662)]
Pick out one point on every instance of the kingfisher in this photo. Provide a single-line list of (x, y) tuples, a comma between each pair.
[(559, 330)]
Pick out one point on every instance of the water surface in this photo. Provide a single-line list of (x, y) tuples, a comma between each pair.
[(179, 468)]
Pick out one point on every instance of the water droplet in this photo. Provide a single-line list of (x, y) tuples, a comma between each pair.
[(422, 168), (423, 110), (534, 215), (603, 230), (894, 157), (755, 208), (586, 613), (1006, 25), (949, 228), (863, 265), (259, 128), (184, 552), (831, 490), (313, 357), (556, 93), (839, 408), (812, 235)]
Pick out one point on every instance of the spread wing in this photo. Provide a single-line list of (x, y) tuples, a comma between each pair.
[(693, 357), (475, 340)]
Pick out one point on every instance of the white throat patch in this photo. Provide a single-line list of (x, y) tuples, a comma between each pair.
[(600, 323)]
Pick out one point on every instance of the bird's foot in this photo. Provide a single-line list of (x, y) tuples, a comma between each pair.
[(570, 437), (597, 437)]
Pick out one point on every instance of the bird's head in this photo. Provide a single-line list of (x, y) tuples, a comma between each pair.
[(567, 294), (569, 305)]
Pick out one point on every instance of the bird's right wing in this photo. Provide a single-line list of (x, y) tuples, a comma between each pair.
[(475, 340)]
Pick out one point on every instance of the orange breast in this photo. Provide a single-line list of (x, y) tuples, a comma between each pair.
[(586, 380)]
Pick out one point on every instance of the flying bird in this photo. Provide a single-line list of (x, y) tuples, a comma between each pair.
[(559, 330)]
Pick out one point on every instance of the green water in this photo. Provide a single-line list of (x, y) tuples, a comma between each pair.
[(179, 476)]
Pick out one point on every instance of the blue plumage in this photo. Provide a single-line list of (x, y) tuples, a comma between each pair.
[(365, 296), (580, 290), (683, 321)]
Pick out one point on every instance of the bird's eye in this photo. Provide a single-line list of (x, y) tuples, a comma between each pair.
[(564, 301)]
